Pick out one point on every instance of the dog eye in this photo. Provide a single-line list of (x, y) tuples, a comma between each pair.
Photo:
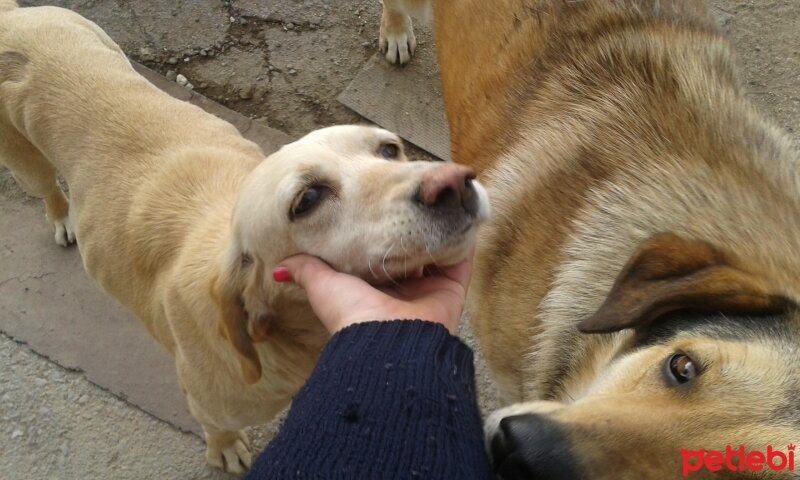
[(389, 151), (307, 201), (680, 369)]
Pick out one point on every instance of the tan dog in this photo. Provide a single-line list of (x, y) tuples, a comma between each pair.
[(182, 220), (637, 195)]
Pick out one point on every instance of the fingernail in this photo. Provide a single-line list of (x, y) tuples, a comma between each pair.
[(281, 275)]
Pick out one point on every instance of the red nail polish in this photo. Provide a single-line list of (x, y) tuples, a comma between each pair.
[(281, 275)]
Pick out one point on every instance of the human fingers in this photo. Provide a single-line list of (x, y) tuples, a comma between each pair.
[(306, 271)]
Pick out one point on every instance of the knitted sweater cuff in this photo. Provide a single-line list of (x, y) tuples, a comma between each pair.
[(416, 341), (387, 400)]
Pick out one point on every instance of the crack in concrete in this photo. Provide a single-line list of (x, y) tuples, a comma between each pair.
[(22, 280), (76, 370)]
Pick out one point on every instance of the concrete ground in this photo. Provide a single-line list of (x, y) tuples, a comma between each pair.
[(282, 62)]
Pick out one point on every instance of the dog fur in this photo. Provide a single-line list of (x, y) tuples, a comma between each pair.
[(632, 181), (182, 220)]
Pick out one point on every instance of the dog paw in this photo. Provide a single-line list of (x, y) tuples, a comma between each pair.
[(397, 38), (65, 235), (229, 451)]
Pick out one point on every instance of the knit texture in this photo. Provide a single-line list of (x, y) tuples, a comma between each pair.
[(386, 400)]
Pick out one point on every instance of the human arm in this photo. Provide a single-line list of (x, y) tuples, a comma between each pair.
[(393, 399)]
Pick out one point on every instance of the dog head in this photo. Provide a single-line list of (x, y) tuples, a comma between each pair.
[(710, 362), (350, 196)]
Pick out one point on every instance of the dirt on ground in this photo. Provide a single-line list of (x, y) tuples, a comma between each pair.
[(282, 61)]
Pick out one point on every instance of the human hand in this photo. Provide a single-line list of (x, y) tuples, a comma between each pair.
[(341, 300)]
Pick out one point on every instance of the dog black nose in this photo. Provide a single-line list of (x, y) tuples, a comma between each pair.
[(448, 188), (532, 447)]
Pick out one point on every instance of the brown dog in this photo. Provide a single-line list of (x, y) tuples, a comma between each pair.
[(636, 290), (182, 220)]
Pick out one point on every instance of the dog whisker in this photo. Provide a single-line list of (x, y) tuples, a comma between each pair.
[(383, 265), (369, 266), (428, 250), (405, 257)]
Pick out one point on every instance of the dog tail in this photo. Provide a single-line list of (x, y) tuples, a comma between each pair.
[(6, 5)]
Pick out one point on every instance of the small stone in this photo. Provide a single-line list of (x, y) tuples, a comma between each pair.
[(83, 399), (172, 61), (233, 20), (366, 44), (247, 92), (189, 86), (39, 382), (243, 21), (186, 60), (204, 53), (16, 434), (171, 75), (146, 54), (292, 71), (290, 26), (181, 80)]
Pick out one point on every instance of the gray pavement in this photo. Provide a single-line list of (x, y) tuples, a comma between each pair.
[(55, 424)]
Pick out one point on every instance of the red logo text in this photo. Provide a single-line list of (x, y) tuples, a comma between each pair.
[(738, 460)]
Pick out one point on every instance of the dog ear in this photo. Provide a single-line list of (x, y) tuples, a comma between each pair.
[(259, 320), (669, 273), (226, 291)]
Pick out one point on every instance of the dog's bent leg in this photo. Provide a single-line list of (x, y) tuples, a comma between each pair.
[(397, 38), (227, 450), (37, 176)]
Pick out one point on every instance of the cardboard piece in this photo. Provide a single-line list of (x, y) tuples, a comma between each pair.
[(405, 100)]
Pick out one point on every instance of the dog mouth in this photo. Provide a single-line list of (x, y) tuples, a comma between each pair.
[(397, 270), (400, 261), (418, 240)]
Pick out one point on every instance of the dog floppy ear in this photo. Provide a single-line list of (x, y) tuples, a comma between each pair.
[(669, 273), (227, 289)]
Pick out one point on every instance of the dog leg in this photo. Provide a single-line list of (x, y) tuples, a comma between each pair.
[(397, 38), (56, 208), (36, 175), (227, 450)]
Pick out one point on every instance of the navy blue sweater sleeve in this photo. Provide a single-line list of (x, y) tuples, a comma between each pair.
[(386, 400)]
